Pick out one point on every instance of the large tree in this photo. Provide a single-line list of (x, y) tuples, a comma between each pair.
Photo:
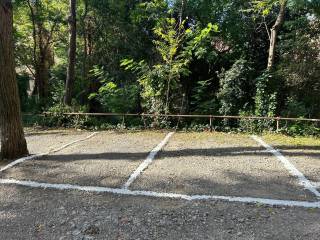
[(13, 143), (72, 53)]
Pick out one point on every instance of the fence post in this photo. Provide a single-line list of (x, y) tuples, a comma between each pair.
[(278, 124), (144, 121), (210, 123), (123, 123)]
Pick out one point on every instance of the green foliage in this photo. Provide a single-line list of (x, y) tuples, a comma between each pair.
[(264, 7), (232, 93), (300, 74), (172, 67), (294, 108), (150, 11), (29, 104), (161, 81), (203, 102), (23, 85), (265, 101), (56, 116), (50, 15), (114, 98), (301, 129)]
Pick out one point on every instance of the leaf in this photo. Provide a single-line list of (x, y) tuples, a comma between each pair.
[(266, 12), (92, 96)]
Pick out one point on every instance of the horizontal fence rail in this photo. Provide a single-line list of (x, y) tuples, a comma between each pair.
[(192, 116), (209, 117)]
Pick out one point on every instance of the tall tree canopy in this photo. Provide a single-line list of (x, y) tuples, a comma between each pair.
[(156, 56)]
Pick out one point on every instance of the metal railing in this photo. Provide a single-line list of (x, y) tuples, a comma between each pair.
[(209, 117)]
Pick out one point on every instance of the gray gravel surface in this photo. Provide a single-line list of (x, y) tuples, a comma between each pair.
[(49, 214), (42, 141), (191, 163), (106, 159), (305, 157), (220, 164)]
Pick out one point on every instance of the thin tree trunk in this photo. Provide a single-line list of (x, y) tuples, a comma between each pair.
[(274, 34), (72, 53), (13, 143), (42, 77), (41, 54), (85, 37), (181, 12)]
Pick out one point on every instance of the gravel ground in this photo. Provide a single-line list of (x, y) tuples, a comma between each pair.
[(204, 163), (191, 163), (106, 159), (41, 141), (48, 214), (304, 155)]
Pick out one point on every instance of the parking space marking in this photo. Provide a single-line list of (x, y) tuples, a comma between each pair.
[(122, 191), (316, 184), (147, 161), (20, 160), (289, 166)]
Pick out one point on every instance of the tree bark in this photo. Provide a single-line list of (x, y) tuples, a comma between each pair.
[(274, 34), (42, 55), (85, 36), (72, 53), (13, 143)]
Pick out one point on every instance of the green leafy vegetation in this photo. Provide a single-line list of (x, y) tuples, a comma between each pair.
[(246, 58)]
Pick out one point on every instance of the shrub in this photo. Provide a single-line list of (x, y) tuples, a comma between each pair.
[(113, 97), (265, 102)]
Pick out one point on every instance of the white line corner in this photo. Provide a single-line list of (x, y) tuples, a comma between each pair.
[(32, 157), (289, 166)]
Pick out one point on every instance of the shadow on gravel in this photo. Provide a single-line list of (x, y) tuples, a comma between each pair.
[(268, 184), (230, 151), (61, 133), (49, 214)]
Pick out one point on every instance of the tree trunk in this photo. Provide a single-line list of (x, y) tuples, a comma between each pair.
[(42, 78), (13, 143), (72, 53), (85, 44), (274, 34), (42, 56)]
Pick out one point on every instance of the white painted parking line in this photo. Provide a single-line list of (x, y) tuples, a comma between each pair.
[(316, 184), (20, 160), (122, 191), (147, 161), (289, 166)]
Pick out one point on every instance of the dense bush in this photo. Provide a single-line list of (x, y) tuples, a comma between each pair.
[(112, 97), (232, 94)]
